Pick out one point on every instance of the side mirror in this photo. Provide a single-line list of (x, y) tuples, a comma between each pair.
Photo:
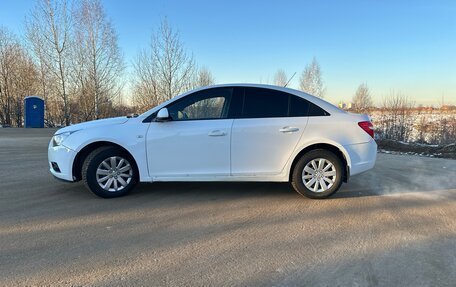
[(162, 115)]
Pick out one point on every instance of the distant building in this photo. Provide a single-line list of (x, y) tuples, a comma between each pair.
[(448, 108), (345, 106)]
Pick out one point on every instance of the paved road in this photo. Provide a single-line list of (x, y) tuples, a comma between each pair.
[(395, 225)]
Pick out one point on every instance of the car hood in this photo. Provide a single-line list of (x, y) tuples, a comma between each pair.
[(93, 124)]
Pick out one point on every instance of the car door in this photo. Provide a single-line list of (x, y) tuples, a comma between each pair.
[(267, 132), (195, 142)]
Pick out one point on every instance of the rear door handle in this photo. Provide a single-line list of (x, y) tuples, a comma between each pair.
[(289, 130), (217, 133)]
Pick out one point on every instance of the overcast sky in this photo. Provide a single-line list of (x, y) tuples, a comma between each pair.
[(406, 46)]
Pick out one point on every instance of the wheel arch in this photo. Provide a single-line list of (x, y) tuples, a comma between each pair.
[(86, 150), (338, 151)]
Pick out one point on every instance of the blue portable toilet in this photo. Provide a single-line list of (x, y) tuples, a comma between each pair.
[(34, 112)]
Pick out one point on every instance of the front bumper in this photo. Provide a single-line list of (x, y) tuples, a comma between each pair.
[(60, 159)]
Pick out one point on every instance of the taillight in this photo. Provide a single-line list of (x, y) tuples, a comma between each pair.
[(368, 127)]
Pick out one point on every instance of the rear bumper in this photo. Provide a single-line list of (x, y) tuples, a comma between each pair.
[(362, 156), (60, 159)]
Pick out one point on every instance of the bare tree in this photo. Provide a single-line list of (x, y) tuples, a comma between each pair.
[(49, 31), (280, 78), (450, 131), (82, 89), (423, 127), (163, 70), (396, 120), (25, 83), (145, 82), (99, 62), (44, 76), (311, 80), (204, 78), (362, 100), (7, 61), (18, 78)]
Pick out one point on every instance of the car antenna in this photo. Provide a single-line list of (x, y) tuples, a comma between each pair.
[(289, 80)]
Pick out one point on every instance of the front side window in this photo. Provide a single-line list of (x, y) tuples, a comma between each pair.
[(202, 105)]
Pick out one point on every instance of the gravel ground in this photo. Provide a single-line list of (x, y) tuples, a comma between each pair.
[(392, 226)]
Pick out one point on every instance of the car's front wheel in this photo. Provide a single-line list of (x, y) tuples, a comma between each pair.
[(317, 174), (109, 172)]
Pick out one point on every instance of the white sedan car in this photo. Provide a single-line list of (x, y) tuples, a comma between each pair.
[(238, 132)]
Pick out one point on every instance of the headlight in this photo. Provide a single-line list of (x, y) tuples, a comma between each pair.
[(58, 139)]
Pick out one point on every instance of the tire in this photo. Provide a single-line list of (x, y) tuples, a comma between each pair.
[(302, 179), (98, 167)]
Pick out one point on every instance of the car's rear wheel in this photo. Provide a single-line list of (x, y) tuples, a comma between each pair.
[(317, 174), (109, 172)]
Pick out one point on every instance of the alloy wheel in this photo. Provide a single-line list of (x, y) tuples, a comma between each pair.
[(114, 173), (319, 175)]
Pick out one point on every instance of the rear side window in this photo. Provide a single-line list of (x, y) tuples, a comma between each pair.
[(299, 107), (267, 103), (264, 103), (316, 111)]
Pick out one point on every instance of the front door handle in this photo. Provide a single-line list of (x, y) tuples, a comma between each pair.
[(217, 133), (289, 130)]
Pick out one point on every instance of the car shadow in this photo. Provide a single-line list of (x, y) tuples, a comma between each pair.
[(215, 189)]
